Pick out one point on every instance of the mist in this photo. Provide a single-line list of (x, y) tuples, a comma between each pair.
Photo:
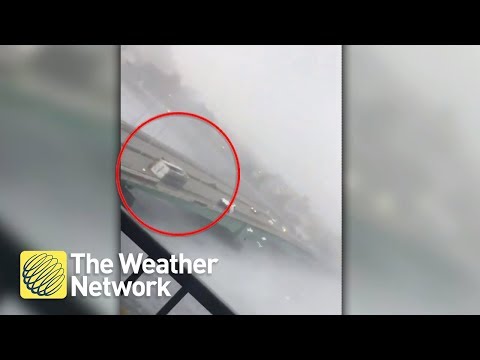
[(412, 219), (281, 108), (282, 102)]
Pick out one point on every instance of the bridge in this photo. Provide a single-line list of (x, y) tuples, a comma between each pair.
[(199, 195)]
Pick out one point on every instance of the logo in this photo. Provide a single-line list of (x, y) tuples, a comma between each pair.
[(43, 274)]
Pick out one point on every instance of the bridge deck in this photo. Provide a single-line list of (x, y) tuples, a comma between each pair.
[(201, 188)]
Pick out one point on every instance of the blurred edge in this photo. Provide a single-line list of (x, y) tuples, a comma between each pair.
[(59, 140), (411, 230), (10, 248)]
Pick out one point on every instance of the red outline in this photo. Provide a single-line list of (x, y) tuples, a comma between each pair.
[(168, 233)]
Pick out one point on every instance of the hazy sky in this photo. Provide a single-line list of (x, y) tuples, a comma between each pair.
[(448, 77), (429, 256), (284, 102)]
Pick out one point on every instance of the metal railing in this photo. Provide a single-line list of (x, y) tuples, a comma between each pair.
[(188, 282)]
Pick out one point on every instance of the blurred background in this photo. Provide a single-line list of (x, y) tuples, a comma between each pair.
[(411, 229), (58, 145)]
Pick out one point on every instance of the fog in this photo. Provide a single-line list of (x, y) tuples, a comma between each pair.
[(281, 107), (412, 240), (282, 102), (59, 114), (446, 77)]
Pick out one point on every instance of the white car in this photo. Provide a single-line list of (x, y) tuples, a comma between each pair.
[(223, 203), (169, 173)]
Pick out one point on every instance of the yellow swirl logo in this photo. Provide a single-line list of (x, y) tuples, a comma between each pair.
[(43, 274)]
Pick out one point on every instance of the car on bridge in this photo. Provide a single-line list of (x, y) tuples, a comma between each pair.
[(169, 173), (223, 203)]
